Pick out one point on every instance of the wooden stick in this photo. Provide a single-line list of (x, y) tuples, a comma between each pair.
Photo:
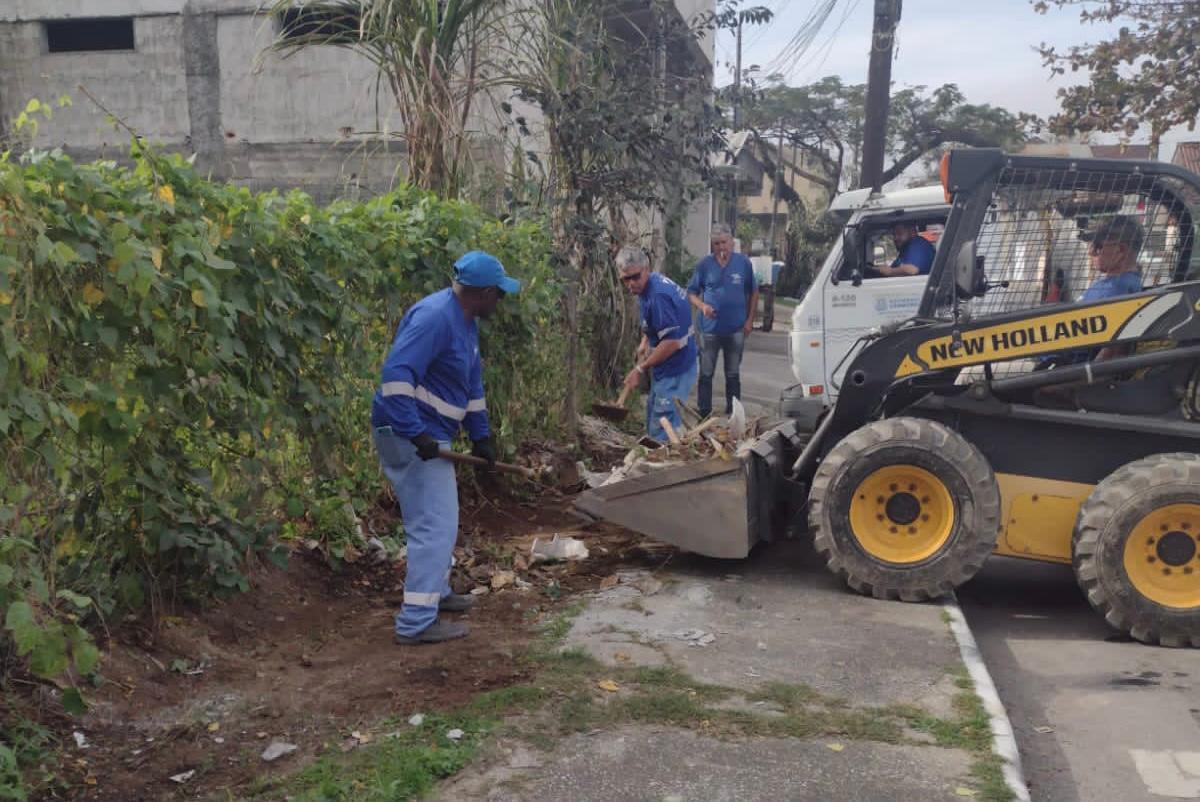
[(686, 413), (665, 422), (694, 433), (504, 467), (624, 394), (716, 444)]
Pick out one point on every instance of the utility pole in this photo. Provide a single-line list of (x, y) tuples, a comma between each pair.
[(779, 178), (737, 126), (879, 87)]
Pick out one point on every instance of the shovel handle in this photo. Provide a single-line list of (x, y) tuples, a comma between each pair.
[(624, 394), (503, 467)]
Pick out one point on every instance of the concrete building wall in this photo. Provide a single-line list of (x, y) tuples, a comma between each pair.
[(690, 10), (317, 94), (198, 82), (146, 88)]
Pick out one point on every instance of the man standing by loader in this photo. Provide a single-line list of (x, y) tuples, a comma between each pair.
[(668, 348), (433, 385), (724, 290)]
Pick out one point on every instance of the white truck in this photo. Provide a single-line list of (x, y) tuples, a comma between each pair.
[(841, 306)]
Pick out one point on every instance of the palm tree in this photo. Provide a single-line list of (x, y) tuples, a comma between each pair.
[(428, 52)]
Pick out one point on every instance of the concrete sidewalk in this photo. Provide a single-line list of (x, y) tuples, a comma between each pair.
[(782, 685)]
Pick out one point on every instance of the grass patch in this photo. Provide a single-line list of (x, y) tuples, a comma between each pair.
[(791, 697), (969, 730), (565, 699), (401, 767), (554, 632)]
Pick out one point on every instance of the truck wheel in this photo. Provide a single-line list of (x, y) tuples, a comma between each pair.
[(1136, 549), (904, 508)]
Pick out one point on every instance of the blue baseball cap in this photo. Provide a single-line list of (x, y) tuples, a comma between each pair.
[(479, 269)]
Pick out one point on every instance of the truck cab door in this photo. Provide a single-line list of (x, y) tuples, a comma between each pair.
[(851, 311)]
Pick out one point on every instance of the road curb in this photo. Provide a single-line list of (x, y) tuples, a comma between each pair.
[(1004, 740)]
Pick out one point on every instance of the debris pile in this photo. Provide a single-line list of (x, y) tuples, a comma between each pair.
[(716, 437)]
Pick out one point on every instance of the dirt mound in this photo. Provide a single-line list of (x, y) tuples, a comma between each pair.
[(306, 658)]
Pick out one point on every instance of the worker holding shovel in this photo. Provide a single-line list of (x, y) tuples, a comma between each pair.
[(432, 385), (668, 348)]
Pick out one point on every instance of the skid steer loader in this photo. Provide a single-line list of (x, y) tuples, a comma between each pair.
[(994, 421)]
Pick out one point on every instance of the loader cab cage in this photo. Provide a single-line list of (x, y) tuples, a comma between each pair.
[(1037, 227)]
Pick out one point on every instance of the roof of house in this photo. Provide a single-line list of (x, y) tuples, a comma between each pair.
[(1133, 152), (1187, 156), (1081, 151)]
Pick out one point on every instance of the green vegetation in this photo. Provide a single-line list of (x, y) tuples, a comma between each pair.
[(186, 371)]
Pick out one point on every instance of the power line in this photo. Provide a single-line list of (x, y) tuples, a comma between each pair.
[(804, 38)]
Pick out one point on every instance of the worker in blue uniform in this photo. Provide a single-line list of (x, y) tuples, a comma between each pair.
[(668, 347), (914, 253), (432, 385)]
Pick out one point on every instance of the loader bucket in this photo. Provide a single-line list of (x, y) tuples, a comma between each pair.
[(717, 507)]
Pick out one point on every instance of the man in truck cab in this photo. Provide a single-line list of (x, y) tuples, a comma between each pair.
[(915, 256)]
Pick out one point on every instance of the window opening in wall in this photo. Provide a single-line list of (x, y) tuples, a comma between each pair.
[(331, 25), (88, 35)]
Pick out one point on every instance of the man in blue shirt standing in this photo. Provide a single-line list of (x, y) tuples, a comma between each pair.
[(668, 347), (915, 257), (724, 290), (432, 385)]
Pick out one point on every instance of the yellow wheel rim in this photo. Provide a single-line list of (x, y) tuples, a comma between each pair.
[(1162, 556), (901, 514)]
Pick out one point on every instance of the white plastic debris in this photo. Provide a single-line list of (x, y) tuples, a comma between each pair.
[(455, 734), (737, 421), (183, 777), (80, 739), (417, 720), (558, 548), (278, 749)]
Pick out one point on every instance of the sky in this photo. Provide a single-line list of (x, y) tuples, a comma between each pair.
[(984, 46)]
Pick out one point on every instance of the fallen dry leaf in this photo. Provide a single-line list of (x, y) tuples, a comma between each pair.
[(835, 747), (608, 685), (609, 582), (964, 791), (624, 658)]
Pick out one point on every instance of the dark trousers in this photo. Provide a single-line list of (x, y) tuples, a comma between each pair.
[(731, 346)]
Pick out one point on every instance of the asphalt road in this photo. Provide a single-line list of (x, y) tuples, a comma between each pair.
[(1097, 718)]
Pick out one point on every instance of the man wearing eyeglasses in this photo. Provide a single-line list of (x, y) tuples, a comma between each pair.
[(668, 347), (432, 386), (1114, 249), (1114, 252)]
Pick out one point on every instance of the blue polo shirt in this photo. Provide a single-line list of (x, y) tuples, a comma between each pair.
[(917, 252), (432, 378), (1112, 286), (667, 315), (724, 289)]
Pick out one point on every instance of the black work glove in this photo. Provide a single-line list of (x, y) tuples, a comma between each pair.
[(485, 449), (427, 446)]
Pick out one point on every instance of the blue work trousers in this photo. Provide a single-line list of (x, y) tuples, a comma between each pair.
[(731, 345), (428, 496), (661, 401)]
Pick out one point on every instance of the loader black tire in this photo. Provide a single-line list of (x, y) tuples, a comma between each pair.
[(970, 522), (1136, 549)]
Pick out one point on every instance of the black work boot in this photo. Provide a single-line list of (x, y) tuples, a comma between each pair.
[(437, 632), (456, 603)]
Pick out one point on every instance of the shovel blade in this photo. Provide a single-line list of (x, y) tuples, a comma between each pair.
[(609, 411)]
